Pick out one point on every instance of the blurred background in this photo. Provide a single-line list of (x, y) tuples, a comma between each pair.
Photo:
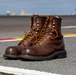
[(58, 7)]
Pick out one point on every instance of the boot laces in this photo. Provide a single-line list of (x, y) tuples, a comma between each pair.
[(43, 36), (54, 30), (27, 35), (42, 32)]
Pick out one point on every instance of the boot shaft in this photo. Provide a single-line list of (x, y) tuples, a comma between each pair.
[(37, 23), (32, 20), (53, 32), (54, 27), (55, 22)]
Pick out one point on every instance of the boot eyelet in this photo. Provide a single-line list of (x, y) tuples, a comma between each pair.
[(53, 26), (37, 29), (36, 32), (34, 24), (53, 23), (51, 33), (38, 25), (38, 21)]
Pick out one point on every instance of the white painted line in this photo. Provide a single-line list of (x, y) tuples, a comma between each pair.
[(68, 27), (18, 71)]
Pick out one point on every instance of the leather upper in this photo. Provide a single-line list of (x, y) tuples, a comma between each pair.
[(37, 22), (49, 42)]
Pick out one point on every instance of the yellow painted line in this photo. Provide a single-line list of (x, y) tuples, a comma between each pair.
[(69, 35), (19, 38), (65, 35)]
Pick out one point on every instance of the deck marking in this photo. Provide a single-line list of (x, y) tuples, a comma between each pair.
[(20, 38), (68, 27), (21, 71)]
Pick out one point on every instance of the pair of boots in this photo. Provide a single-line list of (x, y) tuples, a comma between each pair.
[(43, 42)]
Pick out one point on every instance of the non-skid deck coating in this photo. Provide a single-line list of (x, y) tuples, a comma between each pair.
[(13, 30)]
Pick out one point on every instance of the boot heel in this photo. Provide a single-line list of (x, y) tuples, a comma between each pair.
[(62, 54)]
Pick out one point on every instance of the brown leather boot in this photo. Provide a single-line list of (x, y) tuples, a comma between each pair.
[(37, 22), (50, 45)]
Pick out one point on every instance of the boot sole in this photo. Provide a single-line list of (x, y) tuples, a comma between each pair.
[(10, 56), (58, 54)]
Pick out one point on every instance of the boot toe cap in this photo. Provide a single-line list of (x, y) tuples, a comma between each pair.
[(12, 50)]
